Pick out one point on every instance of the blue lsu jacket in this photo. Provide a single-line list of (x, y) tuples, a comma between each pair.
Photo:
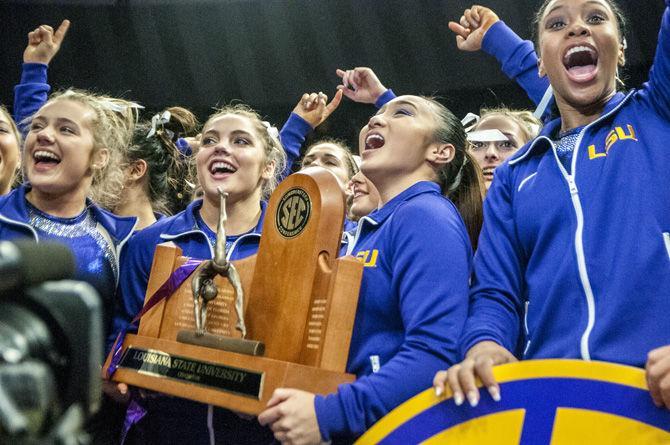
[(586, 250), (411, 308)]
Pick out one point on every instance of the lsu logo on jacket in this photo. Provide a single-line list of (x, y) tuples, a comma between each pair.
[(614, 136), (368, 257)]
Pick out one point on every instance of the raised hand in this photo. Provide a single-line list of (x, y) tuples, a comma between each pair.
[(361, 85), (315, 109), (44, 43), (479, 362), (472, 27)]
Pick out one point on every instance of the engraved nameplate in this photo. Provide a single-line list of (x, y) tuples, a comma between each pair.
[(224, 378)]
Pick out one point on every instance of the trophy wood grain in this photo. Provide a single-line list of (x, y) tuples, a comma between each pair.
[(281, 301), (162, 266), (341, 313), (278, 374)]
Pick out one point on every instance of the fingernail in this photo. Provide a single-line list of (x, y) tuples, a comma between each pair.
[(472, 398), (438, 391), (458, 399), (495, 393)]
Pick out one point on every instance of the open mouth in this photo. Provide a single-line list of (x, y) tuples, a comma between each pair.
[(221, 168), (374, 141), (44, 158), (581, 62), (487, 172), (359, 194)]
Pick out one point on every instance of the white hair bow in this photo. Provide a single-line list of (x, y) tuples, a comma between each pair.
[(272, 130), (162, 120)]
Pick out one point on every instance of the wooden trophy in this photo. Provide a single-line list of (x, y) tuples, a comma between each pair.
[(235, 331)]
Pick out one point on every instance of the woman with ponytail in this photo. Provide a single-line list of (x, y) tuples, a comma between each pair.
[(413, 303), (159, 176)]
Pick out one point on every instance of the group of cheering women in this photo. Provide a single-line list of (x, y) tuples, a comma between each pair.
[(489, 245)]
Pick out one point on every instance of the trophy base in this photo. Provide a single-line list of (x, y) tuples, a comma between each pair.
[(234, 381), (230, 344)]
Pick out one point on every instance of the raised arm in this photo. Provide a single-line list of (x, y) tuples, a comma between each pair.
[(479, 28), (659, 75), (310, 112), (32, 91), (362, 85)]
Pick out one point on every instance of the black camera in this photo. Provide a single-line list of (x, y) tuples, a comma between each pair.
[(51, 340)]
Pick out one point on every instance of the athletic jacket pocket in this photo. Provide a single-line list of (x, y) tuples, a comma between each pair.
[(666, 240)]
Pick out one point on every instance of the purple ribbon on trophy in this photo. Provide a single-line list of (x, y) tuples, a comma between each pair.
[(163, 293)]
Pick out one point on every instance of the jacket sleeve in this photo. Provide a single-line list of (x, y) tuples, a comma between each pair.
[(31, 93), (517, 59), (432, 298), (387, 96), (496, 302), (136, 261), (292, 136), (658, 85)]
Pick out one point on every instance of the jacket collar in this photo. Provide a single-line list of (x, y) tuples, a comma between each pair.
[(13, 206), (380, 215), (543, 142), (185, 222)]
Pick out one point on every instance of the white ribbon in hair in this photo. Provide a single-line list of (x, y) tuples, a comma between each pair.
[(162, 120), (272, 130), (469, 121), (457, 180)]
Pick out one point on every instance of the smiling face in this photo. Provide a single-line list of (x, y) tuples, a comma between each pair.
[(398, 145), (365, 197), (9, 151), (232, 156), (580, 47), (59, 149), (331, 157), (490, 154)]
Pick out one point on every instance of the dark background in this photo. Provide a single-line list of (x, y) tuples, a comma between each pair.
[(199, 53)]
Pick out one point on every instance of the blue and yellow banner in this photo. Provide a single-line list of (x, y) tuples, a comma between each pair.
[(543, 402)]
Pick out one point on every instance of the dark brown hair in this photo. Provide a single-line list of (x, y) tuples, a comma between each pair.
[(461, 179), (170, 172)]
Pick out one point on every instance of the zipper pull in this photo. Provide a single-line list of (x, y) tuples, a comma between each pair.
[(572, 185)]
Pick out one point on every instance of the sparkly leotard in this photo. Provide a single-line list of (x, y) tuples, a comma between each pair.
[(94, 254)]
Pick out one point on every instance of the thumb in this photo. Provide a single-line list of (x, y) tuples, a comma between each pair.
[(59, 35)]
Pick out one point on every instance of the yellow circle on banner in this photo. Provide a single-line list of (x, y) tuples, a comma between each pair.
[(576, 413)]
